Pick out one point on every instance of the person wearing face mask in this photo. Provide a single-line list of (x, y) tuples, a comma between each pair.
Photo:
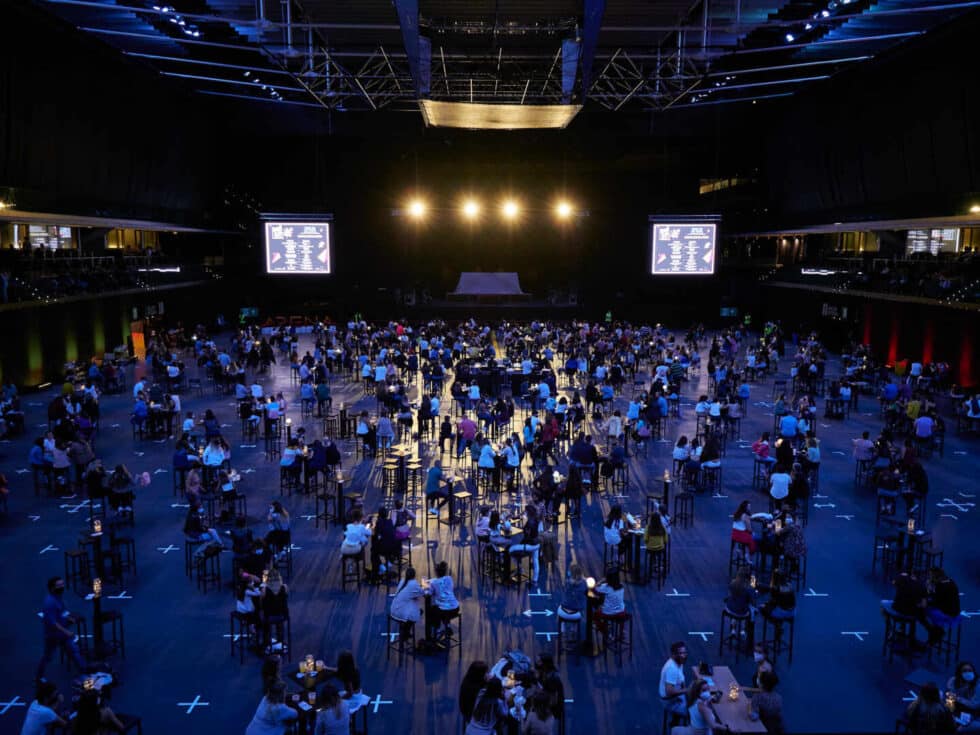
[(963, 685), (57, 634), (703, 718), (762, 664)]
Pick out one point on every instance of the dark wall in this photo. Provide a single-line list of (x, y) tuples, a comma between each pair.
[(83, 130), (893, 137)]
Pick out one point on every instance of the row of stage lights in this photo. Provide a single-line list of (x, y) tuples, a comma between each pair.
[(471, 210)]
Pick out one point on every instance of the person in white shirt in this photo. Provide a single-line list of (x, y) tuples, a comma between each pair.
[(779, 482), (474, 395), (405, 604), (188, 425), (672, 687), (356, 535), (256, 390), (445, 604), (614, 427), (214, 454)]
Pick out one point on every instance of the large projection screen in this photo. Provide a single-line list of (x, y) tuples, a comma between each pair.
[(298, 248), (683, 248)]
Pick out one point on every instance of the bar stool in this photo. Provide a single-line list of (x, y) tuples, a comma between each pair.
[(618, 636), (795, 569), (760, 472), (949, 644), (779, 642), (328, 500), (612, 557), (240, 634), (899, 632), (180, 480), (351, 568), (117, 632), (288, 480), (733, 629), (190, 546), (397, 640), (737, 560), (684, 509), (209, 570), (711, 478), (351, 499), (76, 568), (125, 546), (658, 564), (569, 636)]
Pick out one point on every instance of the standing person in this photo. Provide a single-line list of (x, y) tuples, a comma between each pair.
[(56, 618)]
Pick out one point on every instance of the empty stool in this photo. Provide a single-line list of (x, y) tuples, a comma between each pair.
[(684, 509), (351, 567), (288, 480), (76, 568), (117, 633), (618, 636), (126, 548), (241, 634), (735, 629)]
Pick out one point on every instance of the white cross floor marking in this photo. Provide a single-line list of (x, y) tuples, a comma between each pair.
[(191, 705), (180, 505), (35, 518), (845, 517), (949, 515), (308, 517), (15, 702), (961, 507), (48, 548), (121, 596), (675, 593), (703, 633), (811, 593), (547, 634), (538, 593), (392, 637), (970, 614), (22, 472), (378, 701), (167, 549), (911, 698), (859, 634), (159, 471), (546, 613), (236, 636), (824, 505)]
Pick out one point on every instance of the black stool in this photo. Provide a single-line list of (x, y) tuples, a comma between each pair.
[(711, 478), (208, 570), (117, 632), (569, 637), (356, 564), (899, 632), (657, 566), (125, 546), (328, 501), (612, 556), (736, 561), (949, 644), (760, 472), (241, 634), (684, 509), (76, 568), (779, 642), (733, 628), (618, 636), (405, 633), (190, 546)]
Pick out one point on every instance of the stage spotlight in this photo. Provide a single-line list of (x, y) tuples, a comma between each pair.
[(510, 209), (416, 208), (563, 209), (975, 209), (471, 209)]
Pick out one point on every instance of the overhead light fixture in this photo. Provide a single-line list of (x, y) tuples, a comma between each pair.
[(975, 209), (416, 209), (563, 209), (510, 209), (824, 13), (246, 74), (790, 38), (471, 209), (808, 27)]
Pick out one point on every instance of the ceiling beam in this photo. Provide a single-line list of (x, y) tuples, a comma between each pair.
[(594, 10)]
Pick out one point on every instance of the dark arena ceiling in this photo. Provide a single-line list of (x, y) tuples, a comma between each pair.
[(614, 54)]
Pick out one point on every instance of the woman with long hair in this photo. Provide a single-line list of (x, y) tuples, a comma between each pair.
[(333, 713), (489, 709), (473, 681)]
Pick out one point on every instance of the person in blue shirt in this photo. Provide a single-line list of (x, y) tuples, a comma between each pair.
[(436, 492), (788, 426), (56, 633)]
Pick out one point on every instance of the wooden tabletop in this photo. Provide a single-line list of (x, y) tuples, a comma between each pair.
[(734, 714)]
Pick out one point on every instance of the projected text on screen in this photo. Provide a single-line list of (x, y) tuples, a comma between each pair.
[(297, 247), (686, 248)]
